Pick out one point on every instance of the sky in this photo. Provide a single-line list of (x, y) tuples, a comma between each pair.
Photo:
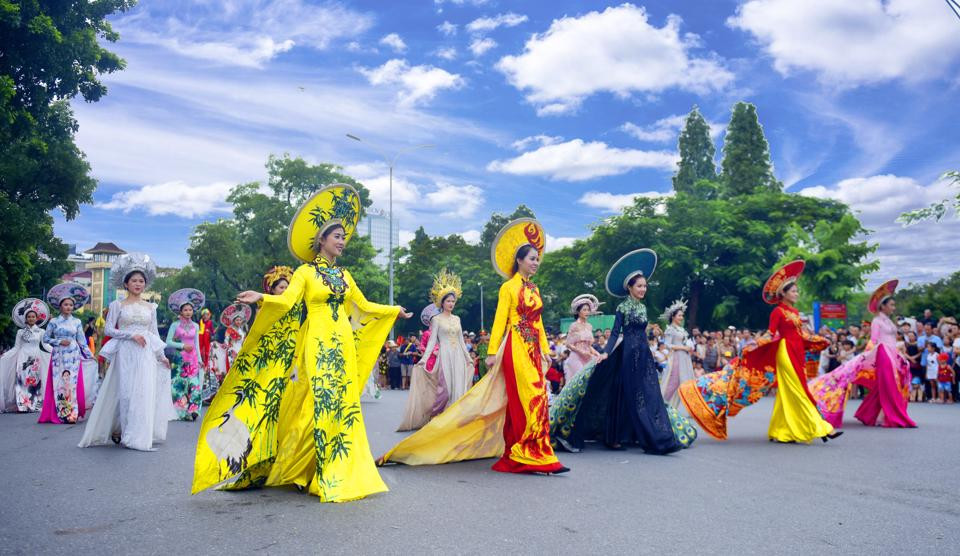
[(572, 108)]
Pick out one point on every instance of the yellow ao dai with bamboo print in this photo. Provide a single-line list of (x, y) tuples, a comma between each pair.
[(315, 436)]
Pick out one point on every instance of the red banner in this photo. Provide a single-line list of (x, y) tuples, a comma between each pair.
[(833, 311)]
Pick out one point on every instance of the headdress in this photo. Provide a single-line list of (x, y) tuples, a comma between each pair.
[(639, 262), (513, 236), (73, 290), (587, 298), (234, 311), (181, 297), (882, 294), (678, 305), (23, 307), (132, 262), (779, 280), (274, 275), (335, 204), (445, 283), (427, 314)]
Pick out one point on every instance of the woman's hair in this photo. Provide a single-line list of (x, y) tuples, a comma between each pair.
[(130, 275), (182, 305), (31, 311), (634, 279), (444, 299), (884, 301), (580, 307), (521, 254), (322, 236), (787, 288), (277, 281), (65, 299)]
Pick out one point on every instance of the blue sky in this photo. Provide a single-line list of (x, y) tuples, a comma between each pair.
[(570, 107)]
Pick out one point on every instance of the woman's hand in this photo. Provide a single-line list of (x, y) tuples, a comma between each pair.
[(603, 357), (187, 348), (249, 297), (490, 360), (404, 314), (141, 341), (165, 362), (64, 343)]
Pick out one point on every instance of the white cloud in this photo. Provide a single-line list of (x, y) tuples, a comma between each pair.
[(471, 236), (447, 53), (394, 41), (539, 140), (479, 46), (447, 29), (417, 202), (249, 35), (406, 236), (419, 84), (173, 198), (486, 24), (453, 201), (576, 160), (914, 254), (558, 243), (616, 51), (854, 43), (665, 129), (615, 202)]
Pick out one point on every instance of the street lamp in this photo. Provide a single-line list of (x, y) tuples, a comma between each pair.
[(390, 163), (481, 306)]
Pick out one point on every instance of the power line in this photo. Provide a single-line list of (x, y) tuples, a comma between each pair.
[(954, 7)]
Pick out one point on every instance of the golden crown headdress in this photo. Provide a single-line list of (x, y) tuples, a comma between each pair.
[(445, 283)]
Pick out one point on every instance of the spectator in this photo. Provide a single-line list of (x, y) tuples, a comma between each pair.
[(928, 318), (917, 372), (394, 373), (945, 377), (409, 354), (933, 368)]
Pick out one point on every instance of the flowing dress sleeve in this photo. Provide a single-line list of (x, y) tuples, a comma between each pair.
[(172, 336), (371, 323), (111, 328), (157, 344), (499, 329), (81, 340), (463, 345), (431, 343), (614, 333)]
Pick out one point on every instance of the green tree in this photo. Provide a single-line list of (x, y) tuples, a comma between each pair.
[(942, 297), (836, 263), (746, 166), (696, 153), (231, 254), (49, 53), (936, 211)]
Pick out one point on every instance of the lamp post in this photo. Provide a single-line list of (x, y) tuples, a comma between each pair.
[(390, 161), (481, 306)]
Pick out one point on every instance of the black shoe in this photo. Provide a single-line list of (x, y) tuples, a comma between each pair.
[(559, 471), (831, 436)]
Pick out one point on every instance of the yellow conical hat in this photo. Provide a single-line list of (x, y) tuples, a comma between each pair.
[(513, 236), (335, 204)]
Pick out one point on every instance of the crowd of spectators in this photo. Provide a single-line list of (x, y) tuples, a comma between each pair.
[(930, 344)]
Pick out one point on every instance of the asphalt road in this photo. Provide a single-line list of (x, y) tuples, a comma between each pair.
[(873, 491)]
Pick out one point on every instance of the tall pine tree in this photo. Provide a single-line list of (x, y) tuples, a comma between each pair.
[(696, 154), (746, 166)]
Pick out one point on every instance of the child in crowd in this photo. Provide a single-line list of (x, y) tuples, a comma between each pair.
[(933, 370), (945, 378)]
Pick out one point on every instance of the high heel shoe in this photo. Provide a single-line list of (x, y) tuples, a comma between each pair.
[(831, 436)]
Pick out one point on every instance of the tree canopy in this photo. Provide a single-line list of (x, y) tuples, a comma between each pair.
[(50, 52)]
